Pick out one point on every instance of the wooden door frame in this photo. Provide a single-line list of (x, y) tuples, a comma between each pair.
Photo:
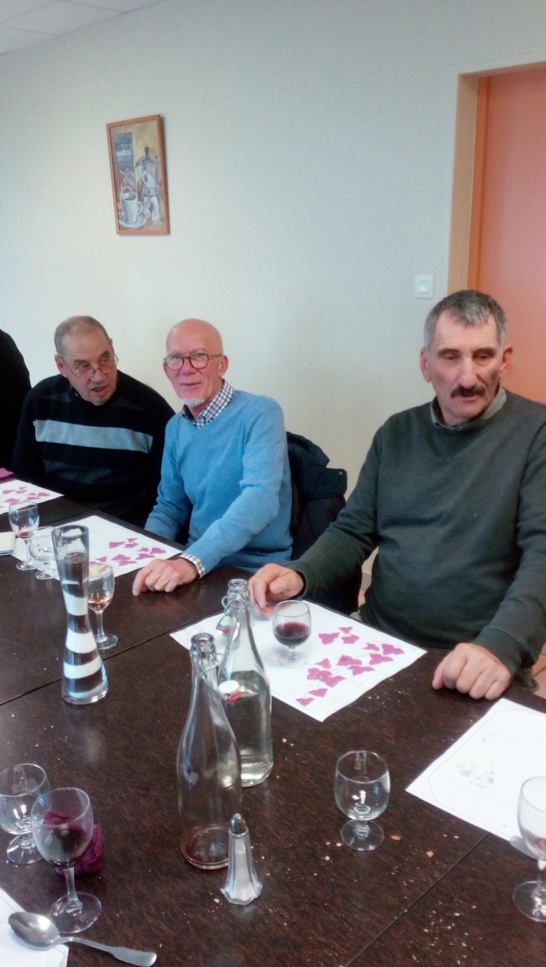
[(468, 171)]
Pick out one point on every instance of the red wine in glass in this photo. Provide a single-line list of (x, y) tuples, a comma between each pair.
[(291, 627), (62, 825)]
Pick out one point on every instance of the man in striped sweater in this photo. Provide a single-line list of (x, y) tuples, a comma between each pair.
[(93, 433)]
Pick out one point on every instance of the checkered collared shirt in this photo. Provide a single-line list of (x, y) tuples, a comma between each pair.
[(215, 407), (222, 399)]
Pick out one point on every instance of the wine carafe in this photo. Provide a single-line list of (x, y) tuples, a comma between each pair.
[(208, 766), (84, 674)]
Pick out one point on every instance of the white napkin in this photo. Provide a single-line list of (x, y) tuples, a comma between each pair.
[(7, 542), (13, 953)]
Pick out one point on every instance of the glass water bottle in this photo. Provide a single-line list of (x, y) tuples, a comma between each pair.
[(208, 766), (244, 686)]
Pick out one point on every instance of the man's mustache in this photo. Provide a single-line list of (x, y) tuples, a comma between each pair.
[(465, 391)]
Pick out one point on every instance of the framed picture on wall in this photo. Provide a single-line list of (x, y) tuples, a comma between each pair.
[(139, 176)]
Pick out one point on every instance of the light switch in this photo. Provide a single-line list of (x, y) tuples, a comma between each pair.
[(423, 286)]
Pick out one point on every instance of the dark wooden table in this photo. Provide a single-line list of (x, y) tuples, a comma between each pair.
[(437, 892), (322, 904)]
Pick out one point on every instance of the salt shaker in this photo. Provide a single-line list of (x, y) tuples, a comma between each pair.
[(242, 885)]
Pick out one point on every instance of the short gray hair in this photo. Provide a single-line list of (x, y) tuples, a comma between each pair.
[(470, 308), (76, 324)]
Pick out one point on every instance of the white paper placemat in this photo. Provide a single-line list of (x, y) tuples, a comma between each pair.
[(13, 492), (14, 954), (345, 658), (479, 778), (125, 550)]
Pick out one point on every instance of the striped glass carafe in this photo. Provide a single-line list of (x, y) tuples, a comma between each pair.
[(84, 674)]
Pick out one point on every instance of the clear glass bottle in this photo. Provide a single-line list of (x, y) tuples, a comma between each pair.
[(84, 675), (208, 766), (244, 686)]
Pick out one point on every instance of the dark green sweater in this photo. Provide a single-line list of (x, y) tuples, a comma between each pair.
[(459, 518)]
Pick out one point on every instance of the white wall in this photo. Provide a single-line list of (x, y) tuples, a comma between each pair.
[(309, 151)]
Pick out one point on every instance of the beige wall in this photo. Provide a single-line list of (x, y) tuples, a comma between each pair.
[(310, 153)]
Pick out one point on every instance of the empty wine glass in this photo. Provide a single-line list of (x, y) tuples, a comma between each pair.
[(62, 824), (101, 591), (291, 627), (24, 520), (19, 787), (361, 789), (42, 552), (530, 898)]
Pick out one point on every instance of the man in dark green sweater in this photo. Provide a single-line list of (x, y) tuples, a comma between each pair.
[(453, 495)]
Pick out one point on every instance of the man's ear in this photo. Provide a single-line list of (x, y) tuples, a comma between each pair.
[(423, 359), (506, 357)]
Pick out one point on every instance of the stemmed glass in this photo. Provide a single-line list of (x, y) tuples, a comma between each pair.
[(24, 520), (62, 824), (20, 785), (101, 591), (530, 898), (42, 552), (291, 627), (361, 789)]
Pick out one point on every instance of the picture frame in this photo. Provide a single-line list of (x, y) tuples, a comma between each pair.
[(139, 176)]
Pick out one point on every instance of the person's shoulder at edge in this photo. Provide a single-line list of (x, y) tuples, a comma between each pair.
[(524, 402), (45, 386)]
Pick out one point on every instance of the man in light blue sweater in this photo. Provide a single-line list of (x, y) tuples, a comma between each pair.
[(225, 487)]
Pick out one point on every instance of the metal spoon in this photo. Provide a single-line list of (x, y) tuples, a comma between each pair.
[(40, 932)]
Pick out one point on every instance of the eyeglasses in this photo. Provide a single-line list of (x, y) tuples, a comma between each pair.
[(175, 361), (106, 362)]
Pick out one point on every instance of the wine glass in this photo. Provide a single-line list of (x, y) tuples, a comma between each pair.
[(20, 785), (24, 520), (530, 898), (62, 823), (42, 552), (101, 592), (291, 627), (361, 789)]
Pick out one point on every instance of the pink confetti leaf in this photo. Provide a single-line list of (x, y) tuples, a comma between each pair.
[(391, 649), (319, 692), (325, 663), (315, 674), (377, 659), (349, 639), (327, 639), (349, 660), (304, 701)]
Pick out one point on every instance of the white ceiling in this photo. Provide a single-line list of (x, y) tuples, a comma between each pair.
[(24, 23)]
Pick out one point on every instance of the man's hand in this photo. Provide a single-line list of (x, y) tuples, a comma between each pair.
[(164, 575), (273, 582), (473, 669)]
